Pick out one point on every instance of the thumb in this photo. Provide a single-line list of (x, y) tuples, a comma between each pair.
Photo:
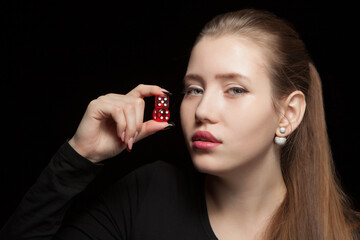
[(150, 127)]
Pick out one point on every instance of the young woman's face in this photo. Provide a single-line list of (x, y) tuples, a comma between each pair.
[(228, 93)]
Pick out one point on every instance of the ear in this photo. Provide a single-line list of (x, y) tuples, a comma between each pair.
[(292, 109)]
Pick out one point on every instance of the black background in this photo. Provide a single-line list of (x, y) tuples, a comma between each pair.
[(61, 55)]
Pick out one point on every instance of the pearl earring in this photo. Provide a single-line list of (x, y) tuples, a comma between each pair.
[(282, 130), (280, 140)]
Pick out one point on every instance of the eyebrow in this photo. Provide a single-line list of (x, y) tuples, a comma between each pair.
[(223, 76)]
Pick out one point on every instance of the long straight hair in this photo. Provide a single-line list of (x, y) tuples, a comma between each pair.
[(315, 207)]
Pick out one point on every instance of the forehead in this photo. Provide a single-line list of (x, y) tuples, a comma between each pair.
[(214, 55)]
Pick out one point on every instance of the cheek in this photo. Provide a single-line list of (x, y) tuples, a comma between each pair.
[(185, 116), (253, 124)]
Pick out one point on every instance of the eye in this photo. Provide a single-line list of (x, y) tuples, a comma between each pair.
[(193, 91), (197, 91), (237, 90)]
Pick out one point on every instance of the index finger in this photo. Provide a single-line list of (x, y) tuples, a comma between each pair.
[(143, 90)]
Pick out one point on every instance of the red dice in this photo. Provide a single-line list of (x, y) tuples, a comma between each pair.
[(162, 101), (161, 112)]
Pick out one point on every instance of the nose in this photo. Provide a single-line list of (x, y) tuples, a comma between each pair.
[(208, 108)]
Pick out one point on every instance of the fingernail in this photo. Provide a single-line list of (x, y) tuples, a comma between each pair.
[(130, 144), (167, 93), (123, 136), (171, 125)]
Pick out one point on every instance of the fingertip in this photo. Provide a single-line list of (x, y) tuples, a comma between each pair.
[(122, 136), (136, 134), (152, 126), (147, 91), (169, 126), (167, 92)]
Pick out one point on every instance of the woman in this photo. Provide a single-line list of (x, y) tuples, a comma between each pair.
[(253, 121)]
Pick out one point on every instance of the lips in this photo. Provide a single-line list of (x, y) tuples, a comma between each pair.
[(204, 136), (204, 141)]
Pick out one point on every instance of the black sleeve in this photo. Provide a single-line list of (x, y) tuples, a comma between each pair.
[(42, 209), (111, 216)]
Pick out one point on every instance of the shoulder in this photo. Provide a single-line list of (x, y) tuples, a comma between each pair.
[(157, 174), (161, 177), (161, 172), (158, 166), (151, 181)]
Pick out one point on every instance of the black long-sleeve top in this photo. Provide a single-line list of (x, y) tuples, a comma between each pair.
[(156, 201)]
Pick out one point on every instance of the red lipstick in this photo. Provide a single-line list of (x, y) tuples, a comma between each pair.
[(204, 140)]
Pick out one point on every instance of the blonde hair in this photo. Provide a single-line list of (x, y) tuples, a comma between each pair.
[(315, 207)]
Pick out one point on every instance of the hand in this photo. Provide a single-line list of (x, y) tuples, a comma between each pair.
[(113, 122)]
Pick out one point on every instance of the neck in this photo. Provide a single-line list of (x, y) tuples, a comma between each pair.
[(247, 195)]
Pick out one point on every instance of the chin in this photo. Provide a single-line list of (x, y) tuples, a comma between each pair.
[(209, 164)]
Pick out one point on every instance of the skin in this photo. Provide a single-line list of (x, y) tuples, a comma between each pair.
[(114, 122), (244, 184)]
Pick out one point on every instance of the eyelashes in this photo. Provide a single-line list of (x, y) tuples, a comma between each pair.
[(237, 90), (197, 91), (192, 91)]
